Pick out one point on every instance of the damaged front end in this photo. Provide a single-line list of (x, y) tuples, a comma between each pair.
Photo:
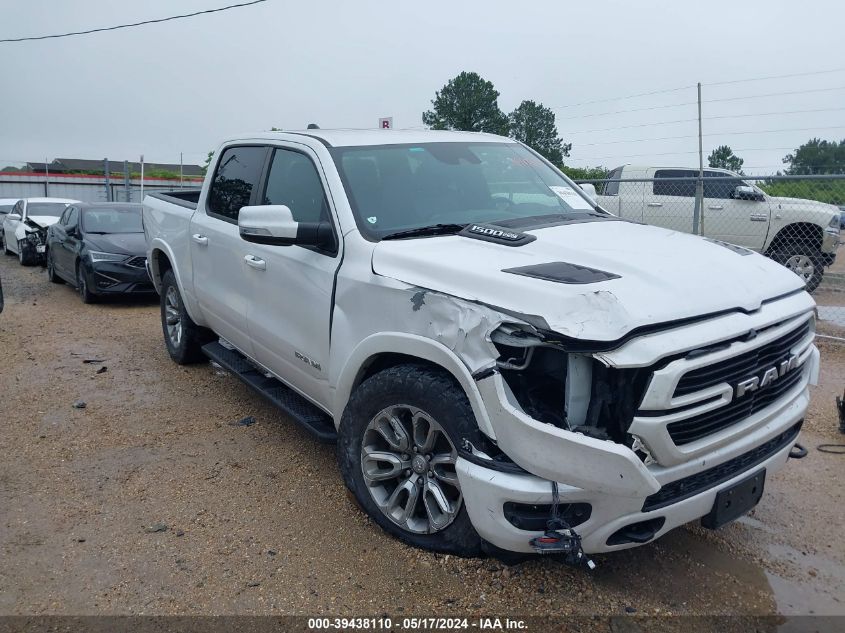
[(569, 390), (35, 241)]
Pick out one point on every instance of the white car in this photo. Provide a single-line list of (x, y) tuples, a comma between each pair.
[(6, 205), (502, 364), (803, 235), (25, 227)]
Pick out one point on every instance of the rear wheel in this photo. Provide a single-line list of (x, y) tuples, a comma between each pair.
[(804, 260), (51, 270), (183, 337), (397, 450)]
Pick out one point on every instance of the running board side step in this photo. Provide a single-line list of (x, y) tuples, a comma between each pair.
[(294, 406)]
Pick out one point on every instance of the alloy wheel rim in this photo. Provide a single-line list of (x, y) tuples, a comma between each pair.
[(173, 316), (802, 266), (408, 463)]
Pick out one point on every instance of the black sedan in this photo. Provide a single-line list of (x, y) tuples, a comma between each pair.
[(100, 249)]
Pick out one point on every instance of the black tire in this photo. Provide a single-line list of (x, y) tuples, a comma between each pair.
[(795, 255), (51, 270), (26, 254), (82, 286), (435, 392), (188, 349)]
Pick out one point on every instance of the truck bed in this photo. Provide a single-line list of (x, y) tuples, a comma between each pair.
[(183, 197)]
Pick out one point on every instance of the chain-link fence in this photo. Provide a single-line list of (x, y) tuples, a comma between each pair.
[(795, 220)]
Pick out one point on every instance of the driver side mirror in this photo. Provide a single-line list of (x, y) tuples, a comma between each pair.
[(744, 192), (273, 224), (14, 216)]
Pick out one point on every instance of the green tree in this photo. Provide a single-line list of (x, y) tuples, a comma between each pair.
[(723, 157), (207, 163), (468, 103), (817, 157), (585, 173), (534, 124)]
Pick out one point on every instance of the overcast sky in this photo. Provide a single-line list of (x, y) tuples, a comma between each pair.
[(184, 85)]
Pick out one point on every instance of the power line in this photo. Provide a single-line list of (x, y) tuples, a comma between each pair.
[(740, 149), (790, 75), (775, 94), (672, 138), (126, 26), (642, 94), (687, 103), (707, 118)]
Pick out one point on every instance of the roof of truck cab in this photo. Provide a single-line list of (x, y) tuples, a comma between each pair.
[(348, 137)]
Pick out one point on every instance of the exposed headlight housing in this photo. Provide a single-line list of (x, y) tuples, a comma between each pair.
[(834, 222), (97, 256)]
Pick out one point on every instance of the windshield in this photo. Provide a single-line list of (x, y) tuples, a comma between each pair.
[(112, 220), (5, 208), (50, 209), (400, 187)]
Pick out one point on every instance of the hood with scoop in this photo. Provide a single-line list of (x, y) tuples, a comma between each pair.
[(593, 280)]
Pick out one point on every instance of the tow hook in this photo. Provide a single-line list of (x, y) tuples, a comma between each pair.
[(797, 451), (561, 539)]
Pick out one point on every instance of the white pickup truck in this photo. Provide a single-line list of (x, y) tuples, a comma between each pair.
[(803, 235), (502, 365)]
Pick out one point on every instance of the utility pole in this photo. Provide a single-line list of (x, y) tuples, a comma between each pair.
[(698, 211), (108, 180)]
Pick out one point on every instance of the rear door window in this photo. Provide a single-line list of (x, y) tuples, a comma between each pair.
[(611, 187), (235, 180), (666, 183)]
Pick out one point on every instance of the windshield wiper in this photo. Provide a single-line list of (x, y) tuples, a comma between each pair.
[(422, 231)]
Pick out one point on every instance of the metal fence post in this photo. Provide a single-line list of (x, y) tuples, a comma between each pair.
[(126, 184), (46, 179), (698, 209), (107, 181)]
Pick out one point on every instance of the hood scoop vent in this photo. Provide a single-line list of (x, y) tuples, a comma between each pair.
[(562, 273), (496, 234)]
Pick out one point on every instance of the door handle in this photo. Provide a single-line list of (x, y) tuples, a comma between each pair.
[(255, 262), (716, 207), (655, 204), (759, 217), (202, 240)]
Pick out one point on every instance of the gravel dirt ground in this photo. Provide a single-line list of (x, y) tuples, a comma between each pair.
[(149, 501)]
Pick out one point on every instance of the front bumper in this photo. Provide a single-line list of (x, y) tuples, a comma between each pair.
[(486, 492), (112, 278), (620, 487), (830, 242)]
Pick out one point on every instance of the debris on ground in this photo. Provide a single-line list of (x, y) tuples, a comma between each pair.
[(247, 421), (102, 370), (79, 404), (89, 361), (156, 527)]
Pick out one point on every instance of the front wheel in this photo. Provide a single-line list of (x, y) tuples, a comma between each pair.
[(82, 286), (183, 337), (804, 260), (397, 450), (26, 253), (6, 248)]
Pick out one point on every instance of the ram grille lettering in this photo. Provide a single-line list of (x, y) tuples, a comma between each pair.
[(766, 378)]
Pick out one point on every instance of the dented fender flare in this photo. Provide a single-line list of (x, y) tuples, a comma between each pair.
[(415, 346)]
